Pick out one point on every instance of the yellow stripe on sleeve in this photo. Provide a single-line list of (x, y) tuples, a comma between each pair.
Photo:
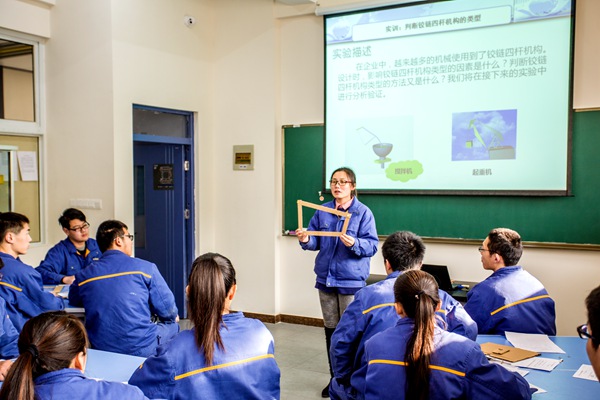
[(368, 310), (520, 302), (18, 289), (229, 364), (404, 364), (114, 276)]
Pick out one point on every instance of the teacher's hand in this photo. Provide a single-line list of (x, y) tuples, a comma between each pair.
[(347, 240), (302, 235)]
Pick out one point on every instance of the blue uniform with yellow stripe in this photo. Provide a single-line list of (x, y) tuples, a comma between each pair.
[(64, 260), (459, 369), (120, 295), (373, 311), (511, 299), (245, 369), (69, 384), (337, 265), (22, 289)]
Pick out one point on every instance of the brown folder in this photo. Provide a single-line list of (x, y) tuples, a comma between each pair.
[(506, 353)]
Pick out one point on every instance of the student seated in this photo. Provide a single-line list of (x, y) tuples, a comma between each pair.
[(224, 356), (416, 359), (20, 284), (52, 361), (72, 254), (121, 296), (372, 311), (8, 341), (591, 330), (510, 299)]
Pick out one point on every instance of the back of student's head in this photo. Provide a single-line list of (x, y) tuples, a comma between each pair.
[(507, 244), (417, 292), (107, 232), (404, 250), (48, 342), (11, 222), (210, 280), (69, 215), (592, 303)]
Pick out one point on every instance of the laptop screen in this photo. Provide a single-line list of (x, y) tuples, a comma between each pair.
[(441, 275)]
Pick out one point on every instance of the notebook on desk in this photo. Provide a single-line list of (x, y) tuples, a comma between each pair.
[(442, 276)]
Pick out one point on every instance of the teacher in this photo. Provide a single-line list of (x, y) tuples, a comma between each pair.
[(342, 264)]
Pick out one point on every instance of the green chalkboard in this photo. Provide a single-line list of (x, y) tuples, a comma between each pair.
[(570, 220)]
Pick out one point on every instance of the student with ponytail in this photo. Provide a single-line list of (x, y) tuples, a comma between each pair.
[(224, 356), (418, 360), (53, 354)]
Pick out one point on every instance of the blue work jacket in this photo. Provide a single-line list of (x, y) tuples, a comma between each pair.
[(22, 289), (511, 299), (458, 367), (244, 369), (71, 384), (64, 260), (120, 295), (8, 334), (373, 311), (337, 265)]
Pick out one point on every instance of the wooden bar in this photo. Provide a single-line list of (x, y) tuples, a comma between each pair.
[(339, 213)]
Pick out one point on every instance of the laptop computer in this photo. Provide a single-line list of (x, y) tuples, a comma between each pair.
[(442, 276)]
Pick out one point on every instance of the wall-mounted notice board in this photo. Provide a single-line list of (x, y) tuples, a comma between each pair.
[(572, 221)]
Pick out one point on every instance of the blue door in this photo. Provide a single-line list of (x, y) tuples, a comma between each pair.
[(163, 208)]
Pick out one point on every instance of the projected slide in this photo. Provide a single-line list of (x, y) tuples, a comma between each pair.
[(451, 96)]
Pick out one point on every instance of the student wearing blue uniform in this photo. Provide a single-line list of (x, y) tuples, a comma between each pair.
[(510, 299), (52, 361), (8, 340), (71, 255), (224, 356), (373, 311), (20, 284), (342, 264), (591, 330), (416, 359), (121, 296)]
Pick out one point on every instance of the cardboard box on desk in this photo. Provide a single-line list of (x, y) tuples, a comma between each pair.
[(506, 353)]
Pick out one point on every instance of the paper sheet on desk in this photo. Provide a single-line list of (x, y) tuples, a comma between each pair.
[(541, 363), (533, 342), (585, 372)]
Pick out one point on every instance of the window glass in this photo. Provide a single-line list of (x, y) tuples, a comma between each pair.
[(20, 187), (17, 100)]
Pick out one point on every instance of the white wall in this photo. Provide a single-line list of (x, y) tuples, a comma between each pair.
[(245, 72), (78, 141)]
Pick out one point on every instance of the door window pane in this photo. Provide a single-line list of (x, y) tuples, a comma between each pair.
[(157, 123)]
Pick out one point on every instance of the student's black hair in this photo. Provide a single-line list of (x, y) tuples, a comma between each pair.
[(507, 244), (48, 342), (210, 280), (403, 250), (107, 232), (351, 178), (11, 222), (417, 292), (70, 214), (592, 303)]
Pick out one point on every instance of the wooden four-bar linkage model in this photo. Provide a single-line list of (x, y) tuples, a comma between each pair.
[(339, 213)]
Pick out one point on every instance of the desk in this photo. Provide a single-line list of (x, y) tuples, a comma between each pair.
[(559, 383), (111, 366), (79, 312)]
